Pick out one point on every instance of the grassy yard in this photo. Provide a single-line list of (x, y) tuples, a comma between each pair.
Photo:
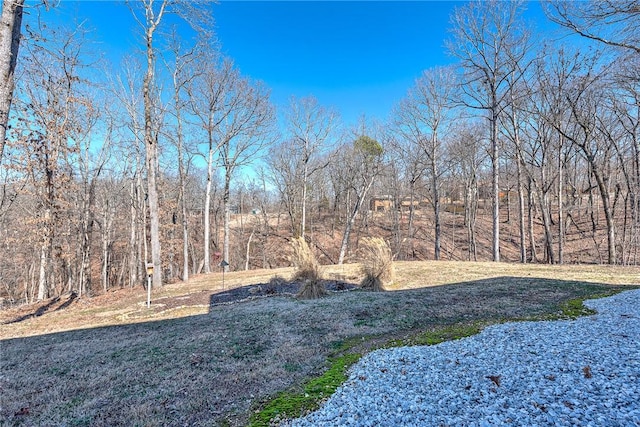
[(111, 361)]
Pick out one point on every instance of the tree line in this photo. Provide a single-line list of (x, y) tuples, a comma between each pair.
[(175, 159)]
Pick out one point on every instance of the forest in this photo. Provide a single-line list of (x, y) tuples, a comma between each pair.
[(526, 150)]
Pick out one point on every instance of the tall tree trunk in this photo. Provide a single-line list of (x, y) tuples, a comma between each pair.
[(351, 219), (470, 219), (519, 177), (608, 214), (560, 204), (142, 249), (207, 208), (106, 232), (45, 280), (134, 259), (185, 235), (410, 232), (436, 200), (303, 222), (530, 207), (521, 209), (183, 205), (227, 218), (42, 277), (151, 151), (546, 221), (10, 26), (246, 258), (84, 282), (437, 225), (494, 181)]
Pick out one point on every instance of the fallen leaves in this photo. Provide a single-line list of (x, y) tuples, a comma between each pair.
[(540, 406), (22, 411), (495, 379)]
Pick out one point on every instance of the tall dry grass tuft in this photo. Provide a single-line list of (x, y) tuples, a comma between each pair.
[(307, 270), (377, 263)]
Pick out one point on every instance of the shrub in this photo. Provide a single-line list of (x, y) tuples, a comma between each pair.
[(275, 282), (307, 270), (377, 263)]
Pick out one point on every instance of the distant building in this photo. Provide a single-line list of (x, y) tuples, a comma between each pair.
[(381, 203)]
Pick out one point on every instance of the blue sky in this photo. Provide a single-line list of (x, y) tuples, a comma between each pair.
[(359, 57)]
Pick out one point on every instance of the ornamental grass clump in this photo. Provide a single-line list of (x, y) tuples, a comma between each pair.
[(377, 264), (307, 270)]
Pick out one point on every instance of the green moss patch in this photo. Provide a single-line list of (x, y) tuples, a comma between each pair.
[(438, 335), (574, 308), (291, 404)]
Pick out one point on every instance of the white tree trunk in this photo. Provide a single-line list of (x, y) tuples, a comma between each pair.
[(185, 237), (495, 167), (45, 256), (304, 201), (350, 221), (246, 258), (207, 208), (151, 151), (42, 278)]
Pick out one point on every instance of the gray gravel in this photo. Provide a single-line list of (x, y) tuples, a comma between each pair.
[(583, 372)]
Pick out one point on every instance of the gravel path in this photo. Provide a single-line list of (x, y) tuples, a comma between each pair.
[(583, 372)]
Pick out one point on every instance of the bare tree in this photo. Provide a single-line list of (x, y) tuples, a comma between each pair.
[(242, 135), (423, 117), (624, 105), (181, 77), (310, 126), (126, 89), (149, 14), (467, 154), (57, 115), (149, 22), (612, 22), (409, 165), (207, 94), (284, 169), (491, 42), (361, 162), (515, 120), (584, 102)]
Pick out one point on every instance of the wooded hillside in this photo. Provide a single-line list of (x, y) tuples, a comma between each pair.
[(526, 150)]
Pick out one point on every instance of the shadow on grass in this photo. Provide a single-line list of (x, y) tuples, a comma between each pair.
[(272, 289), (47, 308)]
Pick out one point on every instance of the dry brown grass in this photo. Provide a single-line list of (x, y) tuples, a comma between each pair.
[(304, 261), (124, 364), (307, 270), (377, 264), (414, 275), (312, 289)]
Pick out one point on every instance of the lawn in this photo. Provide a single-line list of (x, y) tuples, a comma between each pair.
[(111, 361)]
